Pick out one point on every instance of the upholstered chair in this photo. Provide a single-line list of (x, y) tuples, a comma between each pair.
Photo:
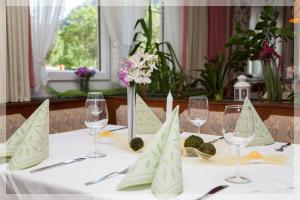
[(66, 120), (121, 114), (281, 127), (13, 122), (213, 125), (297, 130)]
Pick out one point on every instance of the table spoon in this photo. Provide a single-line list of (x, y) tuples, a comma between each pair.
[(281, 149)]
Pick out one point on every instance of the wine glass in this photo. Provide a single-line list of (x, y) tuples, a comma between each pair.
[(238, 130), (95, 118), (198, 111), (94, 95)]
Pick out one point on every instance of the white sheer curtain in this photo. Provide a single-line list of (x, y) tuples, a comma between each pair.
[(45, 16), (173, 28), (120, 21)]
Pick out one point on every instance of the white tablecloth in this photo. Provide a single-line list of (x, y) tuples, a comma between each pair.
[(67, 182)]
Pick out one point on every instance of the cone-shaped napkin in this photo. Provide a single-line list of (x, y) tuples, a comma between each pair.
[(146, 120), (28, 146), (160, 165), (262, 135)]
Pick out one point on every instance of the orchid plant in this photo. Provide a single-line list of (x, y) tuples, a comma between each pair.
[(137, 69)]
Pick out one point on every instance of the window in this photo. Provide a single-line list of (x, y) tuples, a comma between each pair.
[(156, 20), (77, 41)]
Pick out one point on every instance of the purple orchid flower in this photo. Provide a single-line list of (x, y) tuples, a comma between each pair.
[(84, 72)]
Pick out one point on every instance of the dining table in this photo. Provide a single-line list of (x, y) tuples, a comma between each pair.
[(67, 182)]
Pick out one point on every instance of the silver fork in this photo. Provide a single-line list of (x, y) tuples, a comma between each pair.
[(281, 149), (97, 180)]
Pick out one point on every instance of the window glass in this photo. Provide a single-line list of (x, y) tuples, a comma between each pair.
[(76, 42)]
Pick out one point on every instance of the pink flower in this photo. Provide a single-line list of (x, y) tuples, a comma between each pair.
[(267, 52), (126, 66)]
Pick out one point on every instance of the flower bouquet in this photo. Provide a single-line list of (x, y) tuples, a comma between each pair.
[(84, 75), (136, 69)]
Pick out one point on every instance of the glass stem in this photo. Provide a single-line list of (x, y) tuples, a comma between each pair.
[(95, 141), (198, 129), (237, 170)]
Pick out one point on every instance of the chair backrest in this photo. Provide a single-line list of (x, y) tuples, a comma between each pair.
[(121, 114), (213, 125), (66, 120), (281, 127), (297, 130), (13, 122)]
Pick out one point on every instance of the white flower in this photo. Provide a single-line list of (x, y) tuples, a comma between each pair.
[(142, 69)]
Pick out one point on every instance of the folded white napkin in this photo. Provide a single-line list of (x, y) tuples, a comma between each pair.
[(146, 120), (28, 146), (262, 135), (160, 165)]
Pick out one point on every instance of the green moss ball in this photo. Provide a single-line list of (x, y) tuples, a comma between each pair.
[(193, 141), (136, 143), (207, 148)]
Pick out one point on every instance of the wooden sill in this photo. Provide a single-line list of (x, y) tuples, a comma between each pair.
[(264, 109)]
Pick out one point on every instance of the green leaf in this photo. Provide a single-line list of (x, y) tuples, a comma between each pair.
[(260, 25)]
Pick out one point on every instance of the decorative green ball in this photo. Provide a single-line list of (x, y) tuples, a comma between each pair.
[(207, 148), (193, 141), (136, 143)]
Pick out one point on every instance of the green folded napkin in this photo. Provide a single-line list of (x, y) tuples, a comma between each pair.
[(262, 134), (28, 146), (160, 165), (146, 120)]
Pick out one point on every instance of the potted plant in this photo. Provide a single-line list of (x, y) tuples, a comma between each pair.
[(84, 74), (260, 44), (170, 75), (214, 77)]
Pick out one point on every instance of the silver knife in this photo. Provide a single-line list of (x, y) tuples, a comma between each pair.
[(57, 165), (117, 129), (213, 191)]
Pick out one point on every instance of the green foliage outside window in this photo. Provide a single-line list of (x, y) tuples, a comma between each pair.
[(76, 43)]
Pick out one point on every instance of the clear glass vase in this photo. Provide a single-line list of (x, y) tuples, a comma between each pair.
[(272, 81), (84, 84), (131, 112)]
